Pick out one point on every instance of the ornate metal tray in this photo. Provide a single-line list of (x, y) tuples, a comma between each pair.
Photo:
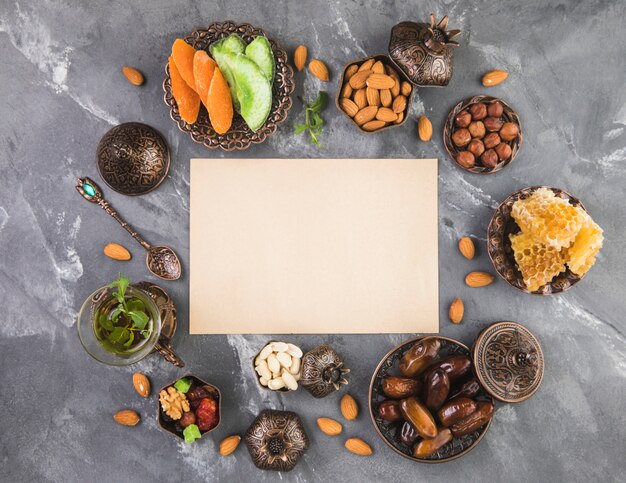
[(239, 136), (387, 431), (500, 252)]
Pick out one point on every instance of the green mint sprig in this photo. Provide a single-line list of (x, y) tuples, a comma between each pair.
[(313, 121)]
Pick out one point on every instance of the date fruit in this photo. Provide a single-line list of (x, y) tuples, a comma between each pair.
[(466, 159), (418, 357), (463, 119), (503, 151), (476, 420), (491, 140), (468, 389), (407, 434), (477, 129), (436, 389), (478, 111), (509, 131), (187, 418), (428, 447), (390, 411), (461, 137), (493, 124), (476, 147), (419, 416), (495, 109), (400, 387), (456, 410), (454, 366), (490, 158)]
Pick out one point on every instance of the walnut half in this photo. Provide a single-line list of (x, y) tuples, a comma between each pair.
[(173, 402)]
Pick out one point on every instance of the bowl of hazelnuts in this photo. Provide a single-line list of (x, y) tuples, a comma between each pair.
[(482, 134)]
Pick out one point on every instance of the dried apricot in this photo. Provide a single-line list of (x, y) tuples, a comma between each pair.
[(186, 98), (203, 68), (220, 103), (183, 55)]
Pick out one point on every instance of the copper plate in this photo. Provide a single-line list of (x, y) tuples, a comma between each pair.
[(387, 431), (508, 361), (133, 158), (508, 114), (500, 252), (239, 136)]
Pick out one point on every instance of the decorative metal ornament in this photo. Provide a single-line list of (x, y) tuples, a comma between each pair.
[(424, 52), (161, 260), (276, 440), (133, 158), (508, 361), (322, 371)]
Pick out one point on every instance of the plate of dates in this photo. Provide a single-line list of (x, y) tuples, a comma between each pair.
[(425, 401)]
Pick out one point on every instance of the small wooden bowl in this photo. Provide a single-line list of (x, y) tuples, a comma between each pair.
[(239, 136), (500, 252), (387, 62), (509, 115)]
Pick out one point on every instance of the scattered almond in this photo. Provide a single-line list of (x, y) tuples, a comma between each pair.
[(357, 81), (399, 104), (229, 444), (329, 426), (367, 65), (405, 88), (141, 384), (133, 75), (479, 279), (365, 115), (127, 417), (494, 77), (349, 407), (373, 96), (424, 128), (358, 447), (348, 106), (299, 57), (116, 252), (319, 70), (373, 125), (466, 247), (360, 98), (385, 97), (380, 81), (386, 114), (378, 67), (457, 309)]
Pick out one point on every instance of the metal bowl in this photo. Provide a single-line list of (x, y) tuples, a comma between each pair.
[(387, 431), (239, 136), (500, 252)]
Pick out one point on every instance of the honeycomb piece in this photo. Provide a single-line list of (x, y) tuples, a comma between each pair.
[(549, 219), (581, 255), (538, 263)]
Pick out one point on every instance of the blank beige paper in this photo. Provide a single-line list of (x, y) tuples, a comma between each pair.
[(283, 246)]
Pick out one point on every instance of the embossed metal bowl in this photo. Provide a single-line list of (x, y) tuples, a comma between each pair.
[(508, 114), (239, 136), (133, 158), (500, 252), (387, 431)]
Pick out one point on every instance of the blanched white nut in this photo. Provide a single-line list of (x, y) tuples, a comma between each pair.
[(284, 359), (263, 381), (257, 360), (273, 363), (279, 347), (295, 365), (290, 381), (275, 384), (297, 376), (294, 350), (265, 352), (263, 371)]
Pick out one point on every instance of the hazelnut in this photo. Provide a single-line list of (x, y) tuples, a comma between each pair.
[(465, 159), (477, 129), (489, 158), (509, 131), (461, 137), (491, 140), (503, 151), (463, 119), (476, 147), (478, 111), (495, 109), (493, 124)]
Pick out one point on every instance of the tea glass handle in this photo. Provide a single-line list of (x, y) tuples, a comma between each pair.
[(165, 349)]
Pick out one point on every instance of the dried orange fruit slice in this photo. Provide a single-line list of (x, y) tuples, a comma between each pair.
[(220, 103), (186, 98), (183, 55), (203, 68)]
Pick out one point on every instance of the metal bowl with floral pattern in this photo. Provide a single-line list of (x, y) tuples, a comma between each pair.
[(239, 136), (388, 431), (500, 252)]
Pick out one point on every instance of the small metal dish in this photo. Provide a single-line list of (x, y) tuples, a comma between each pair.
[(133, 158), (387, 431), (239, 136), (509, 115), (170, 426), (500, 252)]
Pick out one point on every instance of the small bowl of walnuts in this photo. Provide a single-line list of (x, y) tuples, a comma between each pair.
[(189, 408), (482, 134)]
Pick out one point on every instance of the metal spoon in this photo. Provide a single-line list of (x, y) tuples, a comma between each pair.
[(161, 260)]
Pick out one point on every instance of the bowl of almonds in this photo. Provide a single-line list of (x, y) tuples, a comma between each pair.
[(278, 366), (374, 94)]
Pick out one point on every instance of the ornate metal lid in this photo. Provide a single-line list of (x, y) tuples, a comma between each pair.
[(508, 361)]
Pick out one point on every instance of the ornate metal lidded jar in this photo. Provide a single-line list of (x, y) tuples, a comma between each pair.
[(322, 371), (424, 52)]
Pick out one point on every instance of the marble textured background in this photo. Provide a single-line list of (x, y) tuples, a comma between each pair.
[(63, 90)]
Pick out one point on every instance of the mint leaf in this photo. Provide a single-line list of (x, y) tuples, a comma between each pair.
[(140, 319), (105, 323), (191, 433), (183, 385), (320, 103), (116, 313), (119, 335), (313, 121), (130, 339), (135, 305), (299, 128)]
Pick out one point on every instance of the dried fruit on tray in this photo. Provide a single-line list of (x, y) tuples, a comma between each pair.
[(186, 98), (220, 103), (183, 55), (203, 70), (538, 263)]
